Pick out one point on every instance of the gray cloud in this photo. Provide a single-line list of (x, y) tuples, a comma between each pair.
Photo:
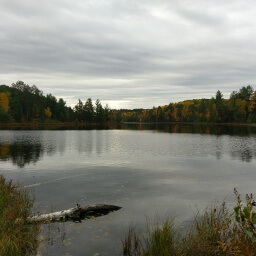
[(128, 53)]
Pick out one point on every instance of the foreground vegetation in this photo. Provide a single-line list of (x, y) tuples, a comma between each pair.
[(219, 231), (17, 237), (23, 103)]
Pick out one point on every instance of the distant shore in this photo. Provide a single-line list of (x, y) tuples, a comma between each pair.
[(51, 125), (196, 123), (55, 124)]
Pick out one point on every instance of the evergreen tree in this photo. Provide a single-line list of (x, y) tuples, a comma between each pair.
[(79, 109), (99, 112), (88, 110), (16, 109), (220, 107)]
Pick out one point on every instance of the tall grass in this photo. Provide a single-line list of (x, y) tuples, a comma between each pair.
[(216, 231), (17, 237)]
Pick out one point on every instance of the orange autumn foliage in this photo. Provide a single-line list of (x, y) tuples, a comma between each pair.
[(4, 151), (4, 101)]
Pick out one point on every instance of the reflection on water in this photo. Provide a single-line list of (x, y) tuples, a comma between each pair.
[(21, 154), (26, 147), (239, 130), (143, 168), (20, 148)]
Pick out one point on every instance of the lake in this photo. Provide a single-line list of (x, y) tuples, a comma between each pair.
[(148, 170)]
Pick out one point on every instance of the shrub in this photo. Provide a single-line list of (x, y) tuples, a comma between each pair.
[(17, 237), (218, 231)]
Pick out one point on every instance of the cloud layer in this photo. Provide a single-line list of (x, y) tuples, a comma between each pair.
[(129, 53)]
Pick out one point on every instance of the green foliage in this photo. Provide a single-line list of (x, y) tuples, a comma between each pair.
[(241, 107), (88, 110), (88, 113), (99, 112), (27, 103), (84, 112), (61, 110), (162, 239), (245, 215), (245, 93), (16, 109), (78, 109), (4, 116)]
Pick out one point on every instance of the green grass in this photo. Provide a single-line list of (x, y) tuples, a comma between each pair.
[(17, 237), (216, 231)]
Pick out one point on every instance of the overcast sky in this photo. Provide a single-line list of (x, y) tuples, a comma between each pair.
[(129, 53)]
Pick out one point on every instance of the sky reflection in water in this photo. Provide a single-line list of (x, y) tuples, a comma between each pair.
[(146, 170)]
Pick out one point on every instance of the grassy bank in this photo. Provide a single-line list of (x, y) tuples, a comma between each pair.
[(217, 231), (17, 237)]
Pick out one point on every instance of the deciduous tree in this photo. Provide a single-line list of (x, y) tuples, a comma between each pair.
[(48, 112), (4, 101)]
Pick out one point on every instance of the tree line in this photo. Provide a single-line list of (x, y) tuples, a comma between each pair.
[(23, 103), (239, 108)]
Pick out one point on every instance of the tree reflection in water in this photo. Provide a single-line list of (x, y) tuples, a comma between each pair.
[(21, 154), (28, 148)]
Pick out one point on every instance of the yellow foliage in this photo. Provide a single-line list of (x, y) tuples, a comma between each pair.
[(208, 115), (175, 129), (252, 105), (48, 112), (4, 101)]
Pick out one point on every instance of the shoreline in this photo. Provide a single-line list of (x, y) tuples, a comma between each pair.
[(52, 125), (38, 125), (195, 123)]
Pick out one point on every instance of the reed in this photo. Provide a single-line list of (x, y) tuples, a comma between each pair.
[(217, 230)]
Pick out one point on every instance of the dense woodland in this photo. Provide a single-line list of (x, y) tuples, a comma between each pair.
[(239, 108), (23, 103)]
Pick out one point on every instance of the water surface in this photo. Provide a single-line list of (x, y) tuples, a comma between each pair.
[(144, 169)]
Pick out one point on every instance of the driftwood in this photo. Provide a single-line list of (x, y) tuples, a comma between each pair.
[(76, 214)]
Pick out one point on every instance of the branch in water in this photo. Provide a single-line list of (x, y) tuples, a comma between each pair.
[(77, 213)]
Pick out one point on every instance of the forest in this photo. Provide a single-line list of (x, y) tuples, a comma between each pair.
[(23, 103), (239, 108)]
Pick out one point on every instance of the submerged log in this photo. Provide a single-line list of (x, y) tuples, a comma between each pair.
[(76, 214)]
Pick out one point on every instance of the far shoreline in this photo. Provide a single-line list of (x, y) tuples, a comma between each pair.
[(196, 123), (110, 125), (52, 125)]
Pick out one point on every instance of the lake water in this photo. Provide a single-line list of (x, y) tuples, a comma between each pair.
[(145, 169)]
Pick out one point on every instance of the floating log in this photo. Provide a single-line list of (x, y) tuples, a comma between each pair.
[(76, 214)]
